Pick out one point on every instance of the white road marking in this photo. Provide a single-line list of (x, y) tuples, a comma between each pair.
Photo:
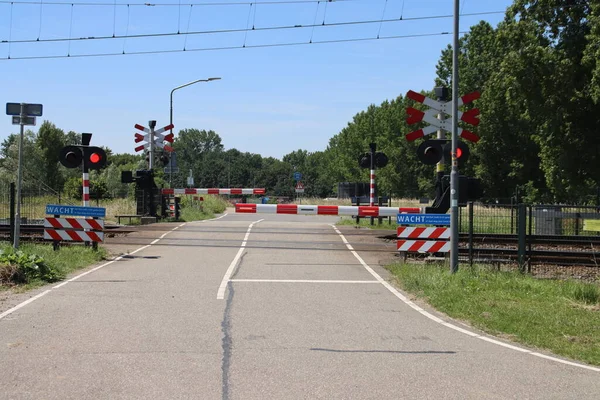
[(447, 324), (37, 296), (299, 281), (236, 259), (23, 304)]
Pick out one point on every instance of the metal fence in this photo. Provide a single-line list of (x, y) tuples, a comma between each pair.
[(33, 204), (535, 238), (540, 219)]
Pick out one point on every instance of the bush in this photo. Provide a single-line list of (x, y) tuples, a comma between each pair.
[(20, 267)]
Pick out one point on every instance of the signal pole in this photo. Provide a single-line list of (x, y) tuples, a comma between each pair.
[(152, 125), (22, 117), (442, 96), (372, 191), (454, 173)]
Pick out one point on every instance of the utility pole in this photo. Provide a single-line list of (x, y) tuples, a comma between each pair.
[(454, 177)]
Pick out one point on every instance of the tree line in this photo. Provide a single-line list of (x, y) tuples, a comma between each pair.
[(539, 78)]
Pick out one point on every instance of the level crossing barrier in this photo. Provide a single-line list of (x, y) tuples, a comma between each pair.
[(230, 191), (300, 209)]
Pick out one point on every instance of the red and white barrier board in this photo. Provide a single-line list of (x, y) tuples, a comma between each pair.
[(72, 229), (423, 240), (361, 211), (424, 246), (214, 191)]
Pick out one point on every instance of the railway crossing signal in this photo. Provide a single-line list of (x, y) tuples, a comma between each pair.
[(381, 160), (432, 151), (156, 138), (92, 157), (71, 156), (429, 116)]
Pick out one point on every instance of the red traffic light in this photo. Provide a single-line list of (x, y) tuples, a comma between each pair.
[(94, 157), (462, 152)]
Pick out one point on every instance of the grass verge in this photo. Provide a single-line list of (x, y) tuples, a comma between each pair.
[(560, 316), (34, 265), (195, 210)]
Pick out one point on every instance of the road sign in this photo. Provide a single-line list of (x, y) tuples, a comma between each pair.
[(297, 176), (72, 229), (31, 110), (141, 128), (423, 219), (16, 120), (58, 209), (159, 137), (299, 188), (430, 116), (441, 106), (163, 129)]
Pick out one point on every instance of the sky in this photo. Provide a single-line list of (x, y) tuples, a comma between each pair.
[(278, 92)]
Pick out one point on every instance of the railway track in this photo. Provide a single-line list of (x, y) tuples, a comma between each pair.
[(35, 232), (581, 251)]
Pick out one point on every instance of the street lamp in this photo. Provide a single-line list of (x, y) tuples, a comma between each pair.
[(171, 109), (182, 86)]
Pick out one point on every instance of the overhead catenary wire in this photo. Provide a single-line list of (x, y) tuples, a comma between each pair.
[(266, 28), (325, 12), (41, 10), (382, 16), (10, 29), (315, 21), (71, 30), (126, 29), (419, 35), (114, 17), (188, 27), (146, 4), (247, 25)]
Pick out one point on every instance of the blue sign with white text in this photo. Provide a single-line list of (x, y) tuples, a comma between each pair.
[(423, 219), (297, 176), (58, 209)]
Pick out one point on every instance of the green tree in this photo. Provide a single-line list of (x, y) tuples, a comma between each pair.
[(50, 140)]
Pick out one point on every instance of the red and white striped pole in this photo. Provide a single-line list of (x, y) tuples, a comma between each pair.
[(86, 188), (85, 141), (372, 193)]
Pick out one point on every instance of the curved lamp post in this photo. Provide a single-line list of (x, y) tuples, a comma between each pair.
[(171, 109), (182, 86)]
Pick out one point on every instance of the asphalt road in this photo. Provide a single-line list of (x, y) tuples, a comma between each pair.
[(258, 306)]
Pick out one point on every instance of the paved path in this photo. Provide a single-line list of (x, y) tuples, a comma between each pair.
[(258, 307)]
